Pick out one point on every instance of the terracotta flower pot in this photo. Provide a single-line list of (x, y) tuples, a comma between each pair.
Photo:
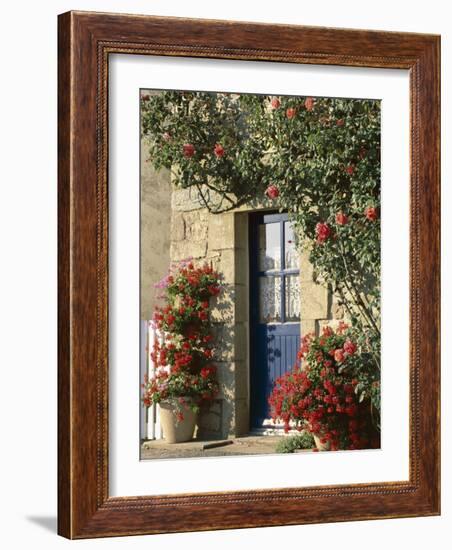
[(174, 430)]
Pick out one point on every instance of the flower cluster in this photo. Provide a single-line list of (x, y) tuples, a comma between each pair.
[(326, 392), (183, 357)]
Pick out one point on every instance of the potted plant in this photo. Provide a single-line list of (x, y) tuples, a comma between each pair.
[(185, 376), (333, 393)]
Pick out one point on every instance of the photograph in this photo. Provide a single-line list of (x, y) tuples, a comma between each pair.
[(260, 253)]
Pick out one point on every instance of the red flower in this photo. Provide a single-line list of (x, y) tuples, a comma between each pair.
[(371, 213), (218, 150), (309, 103), (341, 218), (350, 347), (272, 192), (322, 231), (188, 150), (291, 112), (340, 122), (205, 305), (350, 169), (170, 319), (339, 356), (275, 103), (205, 372), (203, 315), (213, 290)]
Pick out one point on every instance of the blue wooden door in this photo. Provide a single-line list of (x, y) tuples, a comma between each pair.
[(275, 307)]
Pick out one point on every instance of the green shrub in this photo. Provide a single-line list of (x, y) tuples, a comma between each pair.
[(293, 442)]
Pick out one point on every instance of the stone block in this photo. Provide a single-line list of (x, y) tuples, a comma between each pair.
[(306, 268), (241, 303), (185, 200), (242, 377), (308, 326), (196, 225), (177, 227), (337, 310), (241, 266), (221, 231), (210, 419), (223, 306), (187, 249), (333, 323), (224, 340), (241, 231), (241, 417), (314, 301), (227, 266), (231, 342)]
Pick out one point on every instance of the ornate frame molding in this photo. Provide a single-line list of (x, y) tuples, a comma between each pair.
[(85, 42)]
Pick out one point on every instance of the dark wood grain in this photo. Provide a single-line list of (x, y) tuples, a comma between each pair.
[(85, 42)]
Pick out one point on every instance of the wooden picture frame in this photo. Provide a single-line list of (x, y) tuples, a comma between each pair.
[(86, 40)]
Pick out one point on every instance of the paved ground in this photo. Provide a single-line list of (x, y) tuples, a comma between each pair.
[(248, 445)]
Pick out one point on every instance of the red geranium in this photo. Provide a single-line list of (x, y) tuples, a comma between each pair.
[(326, 400)]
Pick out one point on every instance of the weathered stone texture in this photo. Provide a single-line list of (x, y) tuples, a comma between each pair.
[(155, 198), (222, 240)]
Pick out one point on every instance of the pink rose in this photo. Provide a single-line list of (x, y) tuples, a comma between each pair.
[(322, 231), (309, 103), (339, 356), (218, 150), (371, 213), (291, 112), (341, 218), (275, 103), (272, 192), (350, 347), (188, 150)]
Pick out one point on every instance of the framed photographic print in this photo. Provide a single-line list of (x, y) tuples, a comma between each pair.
[(248, 275)]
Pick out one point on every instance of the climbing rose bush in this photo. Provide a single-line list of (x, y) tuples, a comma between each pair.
[(317, 158), (185, 372), (333, 392)]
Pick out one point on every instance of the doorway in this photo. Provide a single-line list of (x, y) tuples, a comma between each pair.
[(274, 307)]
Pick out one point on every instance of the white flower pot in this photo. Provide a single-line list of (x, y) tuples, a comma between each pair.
[(174, 430)]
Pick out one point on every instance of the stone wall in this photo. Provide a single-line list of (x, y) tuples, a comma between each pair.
[(155, 198), (222, 239)]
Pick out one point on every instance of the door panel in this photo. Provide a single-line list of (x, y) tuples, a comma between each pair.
[(275, 306)]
